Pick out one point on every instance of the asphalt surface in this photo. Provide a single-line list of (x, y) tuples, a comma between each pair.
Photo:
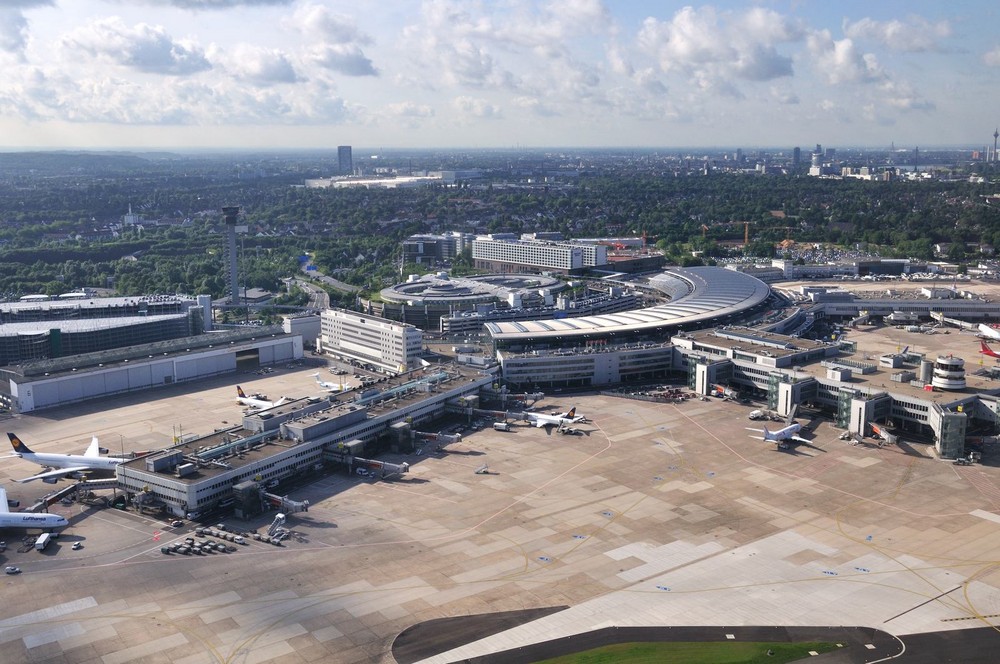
[(861, 645)]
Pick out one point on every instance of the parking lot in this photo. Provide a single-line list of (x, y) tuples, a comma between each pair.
[(656, 513)]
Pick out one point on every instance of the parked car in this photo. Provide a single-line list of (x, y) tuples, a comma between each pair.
[(77, 546), (12, 570)]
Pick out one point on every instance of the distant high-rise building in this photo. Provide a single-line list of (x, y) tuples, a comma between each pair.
[(739, 155), (831, 154), (345, 162), (796, 156)]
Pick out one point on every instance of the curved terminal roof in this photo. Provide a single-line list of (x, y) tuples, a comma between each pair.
[(698, 295)]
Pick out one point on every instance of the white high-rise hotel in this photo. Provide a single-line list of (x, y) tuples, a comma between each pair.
[(503, 254), (385, 344)]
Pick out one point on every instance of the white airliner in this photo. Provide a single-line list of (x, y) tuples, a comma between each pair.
[(328, 386), (989, 332), (10, 519), (64, 464), (562, 419), (257, 400), (781, 435)]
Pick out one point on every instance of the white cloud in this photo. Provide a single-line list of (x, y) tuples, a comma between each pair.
[(336, 41), (475, 108), (535, 106), (784, 96), (902, 96), (716, 48), (409, 109), (913, 35), (211, 4), (992, 58), (258, 66), (347, 59), (56, 95), (13, 24), (840, 62), (143, 47), (318, 22)]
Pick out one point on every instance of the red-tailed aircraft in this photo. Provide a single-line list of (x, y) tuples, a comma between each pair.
[(986, 350)]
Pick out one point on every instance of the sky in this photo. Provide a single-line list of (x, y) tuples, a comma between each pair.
[(280, 74)]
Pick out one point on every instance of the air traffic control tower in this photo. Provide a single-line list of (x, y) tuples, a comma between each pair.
[(230, 215)]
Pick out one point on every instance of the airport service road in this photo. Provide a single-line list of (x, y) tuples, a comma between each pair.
[(663, 514)]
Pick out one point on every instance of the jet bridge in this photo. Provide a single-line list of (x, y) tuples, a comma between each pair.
[(286, 504)]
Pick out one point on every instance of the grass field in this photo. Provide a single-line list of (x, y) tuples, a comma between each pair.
[(694, 653)]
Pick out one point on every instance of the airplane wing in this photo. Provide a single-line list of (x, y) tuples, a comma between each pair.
[(799, 439), (540, 423), (279, 402), (94, 450), (59, 472)]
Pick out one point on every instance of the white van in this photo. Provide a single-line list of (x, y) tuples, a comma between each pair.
[(363, 472)]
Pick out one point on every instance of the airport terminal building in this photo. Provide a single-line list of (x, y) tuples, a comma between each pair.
[(298, 438)]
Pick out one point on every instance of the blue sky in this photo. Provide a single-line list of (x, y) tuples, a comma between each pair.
[(501, 73)]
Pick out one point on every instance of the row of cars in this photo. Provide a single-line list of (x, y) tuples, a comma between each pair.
[(189, 546)]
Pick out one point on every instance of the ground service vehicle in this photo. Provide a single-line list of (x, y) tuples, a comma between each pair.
[(501, 426), (43, 541)]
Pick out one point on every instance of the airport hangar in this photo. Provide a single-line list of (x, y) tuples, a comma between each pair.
[(47, 383), (297, 438), (928, 397)]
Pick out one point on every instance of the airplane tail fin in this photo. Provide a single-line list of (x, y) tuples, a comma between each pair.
[(18, 446), (572, 412), (4, 508), (239, 392), (94, 450), (983, 348), (767, 434)]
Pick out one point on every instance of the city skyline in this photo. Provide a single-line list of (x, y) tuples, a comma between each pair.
[(260, 74)]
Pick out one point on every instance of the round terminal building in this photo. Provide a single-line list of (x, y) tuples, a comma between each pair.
[(423, 300)]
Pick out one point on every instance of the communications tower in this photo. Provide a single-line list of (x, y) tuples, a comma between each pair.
[(230, 215)]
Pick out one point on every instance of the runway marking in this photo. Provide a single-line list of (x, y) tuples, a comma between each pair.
[(991, 615), (914, 608), (983, 514)]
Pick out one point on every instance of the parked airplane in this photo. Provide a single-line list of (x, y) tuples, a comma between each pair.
[(562, 419), (257, 400), (988, 332), (986, 350), (328, 386), (64, 464), (788, 433), (10, 519)]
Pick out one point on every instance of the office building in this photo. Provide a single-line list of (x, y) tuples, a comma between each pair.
[(369, 340), (345, 162)]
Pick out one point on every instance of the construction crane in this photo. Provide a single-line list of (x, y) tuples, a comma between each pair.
[(704, 228)]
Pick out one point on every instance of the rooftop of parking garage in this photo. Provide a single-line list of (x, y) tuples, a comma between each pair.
[(873, 341), (754, 341)]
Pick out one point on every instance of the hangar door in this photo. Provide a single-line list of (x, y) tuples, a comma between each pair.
[(248, 360)]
